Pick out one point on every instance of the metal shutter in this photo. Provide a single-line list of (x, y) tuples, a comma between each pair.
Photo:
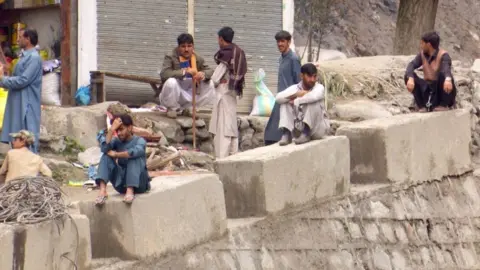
[(133, 37), (255, 24)]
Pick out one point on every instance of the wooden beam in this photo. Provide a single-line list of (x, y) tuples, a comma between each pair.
[(66, 85)]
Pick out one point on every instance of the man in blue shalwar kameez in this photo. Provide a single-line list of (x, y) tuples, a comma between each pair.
[(123, 162), (23, 110), (288, 75)]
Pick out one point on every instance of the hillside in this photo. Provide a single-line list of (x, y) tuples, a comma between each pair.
[(369, 28)]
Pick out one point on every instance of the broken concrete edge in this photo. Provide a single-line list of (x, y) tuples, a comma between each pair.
[(269, 179), (54, 244), (178, 213), (409, 148)]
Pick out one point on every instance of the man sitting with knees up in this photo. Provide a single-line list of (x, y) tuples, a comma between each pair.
[(20, 161), (436, 91), (302, 109), (123, 162)]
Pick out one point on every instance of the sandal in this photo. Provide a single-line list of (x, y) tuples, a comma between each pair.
[(128, 199), (100, 200)]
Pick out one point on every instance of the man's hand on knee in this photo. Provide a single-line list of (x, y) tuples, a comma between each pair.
[(410, 85), (448, 86)]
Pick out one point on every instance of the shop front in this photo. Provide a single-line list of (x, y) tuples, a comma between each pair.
[(48, 18)]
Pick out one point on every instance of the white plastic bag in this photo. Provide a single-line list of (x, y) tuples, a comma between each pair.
[(51, 89), (264, 102)]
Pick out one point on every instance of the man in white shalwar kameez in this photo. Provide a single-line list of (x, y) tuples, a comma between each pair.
[(229, 81), (302, 109), (179, 70)]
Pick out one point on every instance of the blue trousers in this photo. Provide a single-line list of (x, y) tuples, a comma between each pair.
[(132, 173)]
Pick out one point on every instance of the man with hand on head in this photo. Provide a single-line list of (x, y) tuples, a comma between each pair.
[(123, 162)]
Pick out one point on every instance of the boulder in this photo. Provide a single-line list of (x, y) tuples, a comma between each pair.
[(91, 156), (187, 122), (79, 123), (359, 110), (63, 171)]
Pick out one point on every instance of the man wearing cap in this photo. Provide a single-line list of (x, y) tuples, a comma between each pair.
[(20, 161)]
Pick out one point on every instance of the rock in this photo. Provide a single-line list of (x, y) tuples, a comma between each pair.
[(187, 123), (243, 123), (258, 139), (476, 66), (335, 124), (63, 171), (199, 159), (91, 156), (245, 140), (163, 139), (201, 133), (170, 129), (359, 110), (79, 123), (51, 143), (258, 123), (207, 147), (329, 55), (361, 50)]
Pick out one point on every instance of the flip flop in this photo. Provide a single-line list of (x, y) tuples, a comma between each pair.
[(128, 199), (100, 200)]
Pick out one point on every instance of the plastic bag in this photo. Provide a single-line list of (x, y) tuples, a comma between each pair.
[(264, 102), (51, 89), (3, 104), (82, 97)]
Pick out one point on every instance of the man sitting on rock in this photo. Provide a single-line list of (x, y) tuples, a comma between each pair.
[(20, 161), (436, 91), (123, 162), (302, 109), (179, 71)]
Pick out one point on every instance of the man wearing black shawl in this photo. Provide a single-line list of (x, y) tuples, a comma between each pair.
[(229, 81)]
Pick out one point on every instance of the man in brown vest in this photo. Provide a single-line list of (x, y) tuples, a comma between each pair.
[(436, 91)]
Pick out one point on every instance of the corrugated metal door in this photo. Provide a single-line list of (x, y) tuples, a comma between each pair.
[(255, 24), (133, 37)]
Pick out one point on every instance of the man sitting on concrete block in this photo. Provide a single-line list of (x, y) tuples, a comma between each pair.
[(302, 109), (436, 91), (123, 162), (180, 69)]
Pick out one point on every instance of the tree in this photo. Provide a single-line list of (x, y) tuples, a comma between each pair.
[(415, 17), (319, 18)]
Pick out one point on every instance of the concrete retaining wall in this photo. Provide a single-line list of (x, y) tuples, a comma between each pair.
[(269, 179), (409, 148), (46, 246), (179, 212)]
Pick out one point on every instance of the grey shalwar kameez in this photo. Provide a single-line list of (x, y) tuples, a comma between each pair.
[(23, 110), (288, 74), (129, 172)]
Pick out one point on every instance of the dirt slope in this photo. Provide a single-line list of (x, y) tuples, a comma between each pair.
[(369, 28)]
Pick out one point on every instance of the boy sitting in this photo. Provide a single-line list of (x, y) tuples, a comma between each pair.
[(20, 161)]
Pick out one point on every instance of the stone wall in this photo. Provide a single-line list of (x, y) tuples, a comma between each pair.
[(431, 226)]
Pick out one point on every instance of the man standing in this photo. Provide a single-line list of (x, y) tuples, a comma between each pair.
[(436, 91), (180, 69), (229, 80), (302, 109), (288, 74), (23, 109)]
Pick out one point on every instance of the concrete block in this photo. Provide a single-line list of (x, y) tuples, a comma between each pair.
[(179, 212), (269, 179), (409, 148), (45, 246)]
